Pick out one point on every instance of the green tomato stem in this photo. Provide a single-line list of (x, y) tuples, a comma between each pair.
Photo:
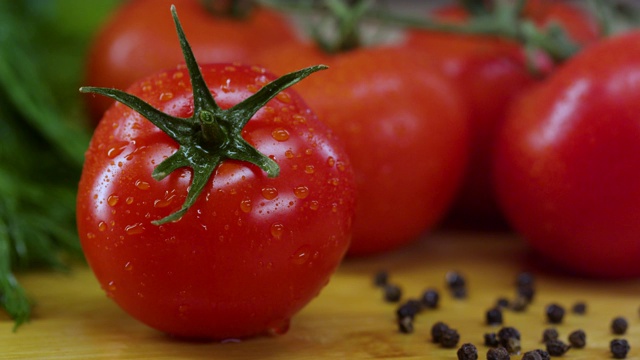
[(211, 135)]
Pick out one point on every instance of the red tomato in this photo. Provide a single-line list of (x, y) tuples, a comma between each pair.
[(405, 131), (567, 164), (252, 250), (139, 39), (491, 72)]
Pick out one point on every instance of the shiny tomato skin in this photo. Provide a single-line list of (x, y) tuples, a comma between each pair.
[(491, 73), (405, 132), (567, 164), (140, 39), (252, 251)]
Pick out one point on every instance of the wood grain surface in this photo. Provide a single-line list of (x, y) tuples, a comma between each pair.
[(73, 319)]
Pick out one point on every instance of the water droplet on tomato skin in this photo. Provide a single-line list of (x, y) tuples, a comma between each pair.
[(134, 229), (165, 96), (116, 150), (280, 134), (142, 185), (102, 226), (245, 205), (301, 256), (309, 169), (269, 193), (112, 200), (277, 230), (128, 266), (301, 192), (279, 327)]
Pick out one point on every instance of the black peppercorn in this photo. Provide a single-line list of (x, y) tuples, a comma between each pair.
[(579, 308), (430, 298), (550, 334), (457, 284), (619, 348), (519, 304), (537, 354), (578, 339), (392, 293), (409, 309), (502, 303), (555, 313), (467, 351), (494, 316), (557, 347), (499, 353), (491, 339), (525, 279), (619, 325), (381, 278), (526, 293), (449, 338), (405, 324), (509, 338), (437, 330)]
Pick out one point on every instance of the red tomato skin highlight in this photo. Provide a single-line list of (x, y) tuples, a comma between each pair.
[(567, 164), (139, 39), (405, 132), (252, 251)]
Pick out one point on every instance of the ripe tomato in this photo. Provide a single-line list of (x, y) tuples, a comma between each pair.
[(139, 40), (491, 73), (405, 132), (253, 249), (567, 164)]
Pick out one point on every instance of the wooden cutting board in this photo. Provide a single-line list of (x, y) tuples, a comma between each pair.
[(73, 319)]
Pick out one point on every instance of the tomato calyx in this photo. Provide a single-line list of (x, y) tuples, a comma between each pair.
[(211, 135)]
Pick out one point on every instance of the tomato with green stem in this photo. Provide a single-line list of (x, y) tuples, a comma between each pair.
[(567, 162), (214, 205), (137, 40), (492, 71), (403, 124)]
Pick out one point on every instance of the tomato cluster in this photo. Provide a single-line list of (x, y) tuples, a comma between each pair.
[(374, 152)]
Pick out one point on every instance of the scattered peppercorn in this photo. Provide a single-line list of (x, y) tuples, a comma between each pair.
[(555, 313), (526, 293), (525, 279), (491, 339), (519, 304), (409, 309), (557, 347), (467, 351), (405, 324), (437, 330), (430, 298), (498, 353), (619, 325), (619, 348), (494, 316), (550, 334), (537, 354), (502, 303), (392, 293), (578, 339), (381, 278), (457, 284), (450, 338), (509, 338), (579, 308)]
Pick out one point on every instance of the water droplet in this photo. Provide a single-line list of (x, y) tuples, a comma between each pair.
[(299, 119), (102, 226), (301, 256), (269, 193), (340, 165), (165, 96), (178, 75), (129, 200), (334, 181), (168, 198), (110, 288), (134, 229), (309, 169), (146, 88), (252, 88), (128, 266), (331, 161), (182, 310), (226, 87), (277, 230), (142, 185), (289, 154), (112, 200), (116, 150), (91, 235), (301, 192), (314, 205), (284, 97), (334, 207), (308, 151), (279, 327), (245, 205), (280, 134)]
